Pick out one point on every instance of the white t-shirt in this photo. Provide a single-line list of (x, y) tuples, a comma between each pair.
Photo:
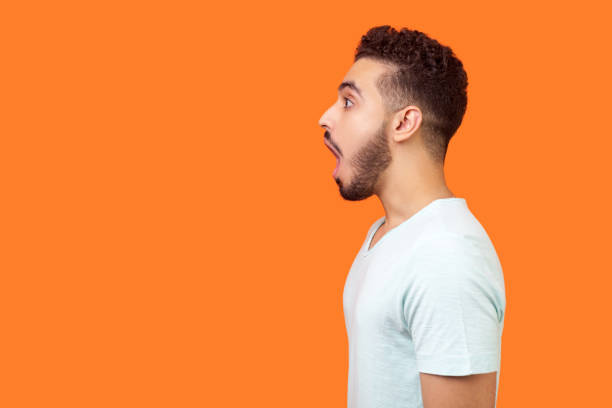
[(428, 297)]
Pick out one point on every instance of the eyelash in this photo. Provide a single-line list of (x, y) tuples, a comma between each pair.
[(344, 106)]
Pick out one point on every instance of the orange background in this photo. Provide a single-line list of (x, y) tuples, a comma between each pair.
[(172, 235)]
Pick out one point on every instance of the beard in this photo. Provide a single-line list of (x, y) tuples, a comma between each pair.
[(368, 164)]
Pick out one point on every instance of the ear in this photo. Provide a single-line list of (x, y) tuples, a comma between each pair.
[(406, 122)]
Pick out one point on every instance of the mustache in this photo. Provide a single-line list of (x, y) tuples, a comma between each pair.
[(327, 137)]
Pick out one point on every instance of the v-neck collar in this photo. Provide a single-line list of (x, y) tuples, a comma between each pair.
[(367, 250)]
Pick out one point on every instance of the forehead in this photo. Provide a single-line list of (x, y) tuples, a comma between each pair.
[(364, 73)]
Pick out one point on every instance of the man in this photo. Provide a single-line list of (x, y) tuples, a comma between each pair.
[(424, 300)]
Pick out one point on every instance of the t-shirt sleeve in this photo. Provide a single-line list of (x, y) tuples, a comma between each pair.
[(453, 307)]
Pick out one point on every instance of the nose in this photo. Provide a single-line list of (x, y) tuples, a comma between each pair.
[(323, 120)]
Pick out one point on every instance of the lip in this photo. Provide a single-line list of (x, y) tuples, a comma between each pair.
[(330, 147)]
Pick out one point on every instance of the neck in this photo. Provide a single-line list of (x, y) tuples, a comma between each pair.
[(407, 188)]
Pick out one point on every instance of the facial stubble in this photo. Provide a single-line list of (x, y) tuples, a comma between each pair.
[(368, 164)]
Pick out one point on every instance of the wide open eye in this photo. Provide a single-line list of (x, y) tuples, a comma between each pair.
[(347, 107)]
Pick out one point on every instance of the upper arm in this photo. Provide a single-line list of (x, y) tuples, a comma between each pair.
[(453, 305), (469, 391)]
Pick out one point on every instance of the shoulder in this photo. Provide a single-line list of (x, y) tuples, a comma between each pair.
[(448, 245), (450, 257), (452, 264)]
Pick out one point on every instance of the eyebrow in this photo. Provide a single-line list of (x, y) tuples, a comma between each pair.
[(350, 84)]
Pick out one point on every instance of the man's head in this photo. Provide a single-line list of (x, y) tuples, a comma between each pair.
[(404, 91)]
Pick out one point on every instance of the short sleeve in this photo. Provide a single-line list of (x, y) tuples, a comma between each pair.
[(453, 307)]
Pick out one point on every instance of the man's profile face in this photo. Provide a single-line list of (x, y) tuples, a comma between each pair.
[(355, 130)]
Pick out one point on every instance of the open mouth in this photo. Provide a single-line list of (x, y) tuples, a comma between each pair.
[(332, 150), (337, 158)]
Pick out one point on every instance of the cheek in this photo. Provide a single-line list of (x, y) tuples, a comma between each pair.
[(357, 127), (355, 136), (361, 123)]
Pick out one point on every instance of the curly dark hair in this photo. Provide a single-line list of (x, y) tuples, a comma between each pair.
[(424, 73)]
